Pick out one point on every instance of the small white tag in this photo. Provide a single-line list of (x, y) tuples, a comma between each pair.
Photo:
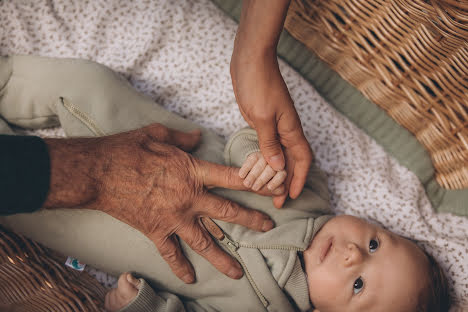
[(75, 264)]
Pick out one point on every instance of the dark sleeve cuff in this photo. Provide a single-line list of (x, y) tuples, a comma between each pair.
[(24, 173)]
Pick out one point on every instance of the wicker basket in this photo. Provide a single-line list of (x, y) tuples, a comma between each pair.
[(408, 57), (34, 279)]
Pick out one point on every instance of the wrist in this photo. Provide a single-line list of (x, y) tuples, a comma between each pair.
[(252, 60), (260, 27), (252, 53), (250, 45), (73, 172)]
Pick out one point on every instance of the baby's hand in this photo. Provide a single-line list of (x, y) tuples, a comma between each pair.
[(256, 173), (126, 291)]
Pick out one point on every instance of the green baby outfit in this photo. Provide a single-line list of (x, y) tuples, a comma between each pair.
[(88, 99)]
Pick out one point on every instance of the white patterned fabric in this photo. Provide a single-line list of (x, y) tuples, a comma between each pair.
[(178, 53)]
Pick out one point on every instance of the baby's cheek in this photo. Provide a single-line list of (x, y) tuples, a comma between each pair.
[(325, 287)]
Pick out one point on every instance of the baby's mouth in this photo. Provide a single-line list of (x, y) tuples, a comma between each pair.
[(325, 249)]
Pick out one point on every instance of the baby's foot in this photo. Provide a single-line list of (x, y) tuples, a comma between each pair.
[(126, 291)]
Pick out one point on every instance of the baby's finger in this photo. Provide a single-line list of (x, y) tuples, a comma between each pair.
[(255, 172), (248, 164), (264, 177), (277, 180)]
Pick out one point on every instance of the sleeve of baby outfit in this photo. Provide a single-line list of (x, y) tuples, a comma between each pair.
[(24, 173), (239, 146), (150, 301)]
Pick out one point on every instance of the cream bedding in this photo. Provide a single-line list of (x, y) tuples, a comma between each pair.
[(178, 52)]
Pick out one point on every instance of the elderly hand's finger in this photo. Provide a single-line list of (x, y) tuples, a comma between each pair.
[(255, 172), (269, 143), (169, 249), (264, 177), (280, 190), (250, 161), (222, 209), (186, 141), (277, 180), (202, 243)]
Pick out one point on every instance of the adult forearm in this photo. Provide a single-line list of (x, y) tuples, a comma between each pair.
[(262, 95), (260, 25)]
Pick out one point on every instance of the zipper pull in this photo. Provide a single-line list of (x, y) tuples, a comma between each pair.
[(217, 233), (232, 245)]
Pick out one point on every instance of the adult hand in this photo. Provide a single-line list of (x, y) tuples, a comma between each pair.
[(146, 179), (266, 105), (263, 96)]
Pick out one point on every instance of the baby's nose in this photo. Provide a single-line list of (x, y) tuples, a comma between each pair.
[(352, 255)]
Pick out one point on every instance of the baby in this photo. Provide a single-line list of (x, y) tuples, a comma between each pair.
[(311, 257), (351, 265)]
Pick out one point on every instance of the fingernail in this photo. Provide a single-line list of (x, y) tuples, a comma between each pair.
[(277, 162), (236, 272), (256, 187), (267, 225), (188, 278), (247, 183)]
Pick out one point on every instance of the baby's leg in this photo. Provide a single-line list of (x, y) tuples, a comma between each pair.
[(86, 99)]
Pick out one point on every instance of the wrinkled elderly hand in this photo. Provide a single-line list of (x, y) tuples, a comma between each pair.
[(147, 179), (263, 96)]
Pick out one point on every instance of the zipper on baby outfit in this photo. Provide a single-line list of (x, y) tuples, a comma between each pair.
[(279, 247), (232, 246)]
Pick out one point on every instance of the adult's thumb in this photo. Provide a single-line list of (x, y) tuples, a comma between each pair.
[(270, 146)]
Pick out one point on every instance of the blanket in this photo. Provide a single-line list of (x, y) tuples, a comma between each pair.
[(178, 53)]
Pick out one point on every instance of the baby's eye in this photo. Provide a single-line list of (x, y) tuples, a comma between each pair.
[(358, 285), (373, 245)]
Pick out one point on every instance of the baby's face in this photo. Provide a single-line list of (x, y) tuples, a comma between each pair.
[(352, 265)]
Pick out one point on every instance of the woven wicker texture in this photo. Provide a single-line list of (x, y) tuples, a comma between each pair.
[(34, 278), (410, 57)]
